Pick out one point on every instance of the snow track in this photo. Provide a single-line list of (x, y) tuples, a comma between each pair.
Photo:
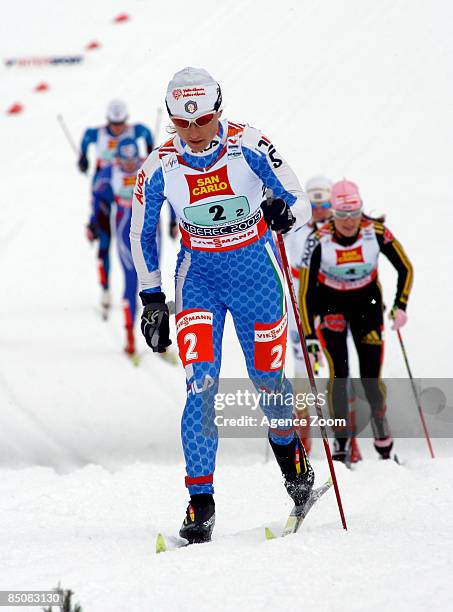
[(95, 530)]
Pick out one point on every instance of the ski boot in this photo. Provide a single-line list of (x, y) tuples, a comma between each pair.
[(199, 520), (383, 446), (340, 452), (296, 469), (346, 450)]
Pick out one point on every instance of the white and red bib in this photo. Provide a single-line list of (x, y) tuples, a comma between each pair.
[(218, 207), (123, 185), (348, 267), (106, 145)]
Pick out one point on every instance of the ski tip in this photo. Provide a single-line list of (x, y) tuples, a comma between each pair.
[(397, 460), (268, 533), (135, 359), (160, 544), (169, 357)]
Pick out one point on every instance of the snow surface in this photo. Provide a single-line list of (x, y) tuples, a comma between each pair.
[(91, 463)]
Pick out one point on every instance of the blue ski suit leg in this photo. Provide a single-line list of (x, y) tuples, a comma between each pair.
[(249, 283), (123, 225), (102, 221)]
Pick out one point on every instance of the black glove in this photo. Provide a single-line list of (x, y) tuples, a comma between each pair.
[(278, 215), (83, 163), (92, 232), (155, 321)]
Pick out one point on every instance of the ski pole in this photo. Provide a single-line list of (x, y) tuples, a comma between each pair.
[(314, 390), (417, 401), (157, 124), (67, 133)]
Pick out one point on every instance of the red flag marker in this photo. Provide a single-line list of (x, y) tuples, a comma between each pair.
[(94, 44), (15, 108), (42, 87), (121, 17)]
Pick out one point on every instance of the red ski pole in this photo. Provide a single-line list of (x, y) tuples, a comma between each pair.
[(314, 390), (417, 401)]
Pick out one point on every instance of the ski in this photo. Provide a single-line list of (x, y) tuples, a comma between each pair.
[(348, 459), (293, 523), (134, 359), (170, 543), (298, 513), (394, 457), (397, 460), (161, 545), (169, 357)]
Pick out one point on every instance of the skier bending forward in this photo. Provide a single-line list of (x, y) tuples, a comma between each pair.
[(213, 173)]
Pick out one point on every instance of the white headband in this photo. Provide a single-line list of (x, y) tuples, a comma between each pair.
[(192, 92)]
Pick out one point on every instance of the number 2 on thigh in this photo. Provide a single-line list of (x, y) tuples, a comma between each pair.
[(191, 340), (278, 351)]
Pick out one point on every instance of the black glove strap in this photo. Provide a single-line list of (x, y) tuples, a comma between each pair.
[(152, 298)]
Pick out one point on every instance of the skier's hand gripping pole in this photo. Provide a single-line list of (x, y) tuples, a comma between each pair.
[(414, 390), (82, 161), (286, 270), (155, 321)]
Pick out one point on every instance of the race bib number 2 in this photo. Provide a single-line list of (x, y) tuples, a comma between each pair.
[(219, 212), (270, 345), (194, 336)]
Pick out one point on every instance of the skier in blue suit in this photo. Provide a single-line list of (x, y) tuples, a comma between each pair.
[(214, 173), (105, 141)]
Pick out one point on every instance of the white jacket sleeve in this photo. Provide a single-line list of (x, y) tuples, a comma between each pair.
[(276, 174)]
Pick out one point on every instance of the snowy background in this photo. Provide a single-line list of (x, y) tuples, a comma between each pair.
[(91, 464)]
